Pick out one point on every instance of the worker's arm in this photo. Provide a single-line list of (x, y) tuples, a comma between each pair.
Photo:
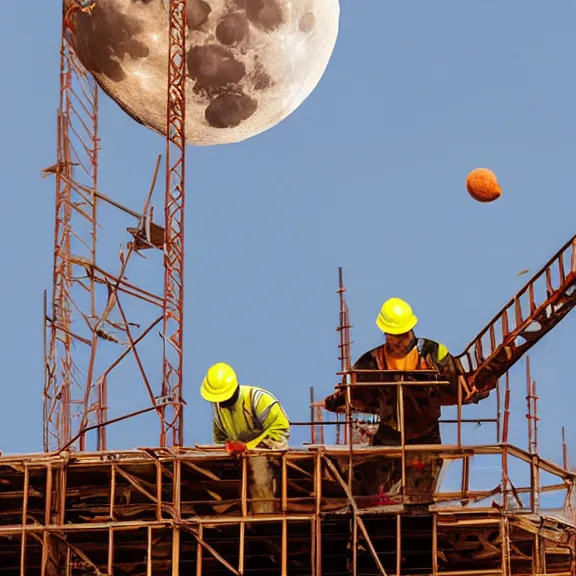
[(360, 396), (368, 362), (272, 418), (445, 363)]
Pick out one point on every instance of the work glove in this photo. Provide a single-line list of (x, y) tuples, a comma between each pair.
[(235, 447)]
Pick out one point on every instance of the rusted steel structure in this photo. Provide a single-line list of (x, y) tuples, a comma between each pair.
[(338, 508), (341, 506), (66, 400), (172, 410), (89, 331), (535, 310), (187, 511)]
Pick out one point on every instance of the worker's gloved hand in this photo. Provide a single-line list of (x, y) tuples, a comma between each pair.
[(235, 447)]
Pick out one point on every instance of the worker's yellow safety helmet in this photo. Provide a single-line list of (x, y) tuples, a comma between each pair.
[(219, 384), (396, 317)]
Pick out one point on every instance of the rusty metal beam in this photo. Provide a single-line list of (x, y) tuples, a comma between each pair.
[(522, 322), (69, 397), (172, 376)]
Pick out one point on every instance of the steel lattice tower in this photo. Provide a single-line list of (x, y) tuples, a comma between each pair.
[(75, 389)]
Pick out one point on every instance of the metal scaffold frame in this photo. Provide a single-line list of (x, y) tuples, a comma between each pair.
[(167, 511), (79, 324), (161, 511), (81, 509)]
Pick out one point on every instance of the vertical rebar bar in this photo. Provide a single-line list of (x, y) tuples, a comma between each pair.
[(465, 477), (498, 412), (535, 416), (399, 544), (505, 442), (345, 364), (244, 510), (111, 508), (529, 404), (149, 552), (46, 365), (535, 446), (400, 395), (69, 562), (565, 461), (354, 544), (505, 550), (110, 563), (318, 511), (434, 544), (284, 507), (459, 416), (24, 520), (47, 519), (320, 419), (312, 427), (313, 546), (175, 551), (200, 551)]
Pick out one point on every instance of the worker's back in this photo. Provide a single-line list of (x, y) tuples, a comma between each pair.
[(256, 413)]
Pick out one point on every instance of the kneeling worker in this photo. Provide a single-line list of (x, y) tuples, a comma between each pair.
[(246, 417)]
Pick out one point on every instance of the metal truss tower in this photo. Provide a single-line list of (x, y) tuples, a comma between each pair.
[(87, 329)]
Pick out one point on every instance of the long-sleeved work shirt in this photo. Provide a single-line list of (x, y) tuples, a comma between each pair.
[(421, 404), (255, 417)]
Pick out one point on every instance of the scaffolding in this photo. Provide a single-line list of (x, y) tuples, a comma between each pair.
[(177, 510), (187, 511), (340, 507)]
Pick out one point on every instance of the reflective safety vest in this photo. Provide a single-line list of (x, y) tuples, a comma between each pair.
[(415, 359), (256, 415), (421, 411)]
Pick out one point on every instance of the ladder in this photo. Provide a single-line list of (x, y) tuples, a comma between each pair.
[(535, 310)]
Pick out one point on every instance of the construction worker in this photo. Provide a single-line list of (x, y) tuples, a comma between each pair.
[(246, 417), (403, 351)]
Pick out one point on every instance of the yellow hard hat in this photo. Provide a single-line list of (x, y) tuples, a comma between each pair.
[(219, 384), (396, 317)]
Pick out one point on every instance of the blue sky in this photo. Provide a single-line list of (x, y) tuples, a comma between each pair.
[(368, 174)]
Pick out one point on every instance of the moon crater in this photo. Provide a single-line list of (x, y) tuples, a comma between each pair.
[(250, 63)]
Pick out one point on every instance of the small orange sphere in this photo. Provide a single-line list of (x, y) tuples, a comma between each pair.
[(482, 185)]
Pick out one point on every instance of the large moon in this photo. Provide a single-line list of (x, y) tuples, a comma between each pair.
[(250, 63)]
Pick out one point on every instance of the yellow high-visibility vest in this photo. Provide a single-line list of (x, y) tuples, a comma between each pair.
[(256, 415)]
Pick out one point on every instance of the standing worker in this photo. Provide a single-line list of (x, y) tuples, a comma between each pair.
[(402, 351), (247, 417)]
